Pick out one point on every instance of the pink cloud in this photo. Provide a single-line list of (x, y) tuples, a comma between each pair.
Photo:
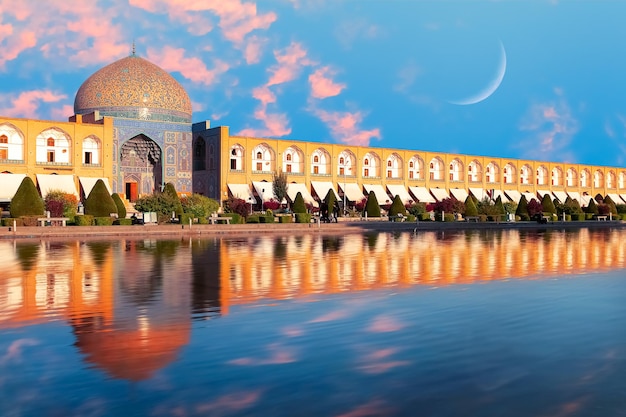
[(174, 60), (278, 356), (14, 352), (15, 45), (26, 104), (63, 112), (229, 403), (375, 363), (371, 409), (274, 125), (322, 84), (290, 61), (264, 95), (253, 49), (382, 324), (331, 316), (344, 127)]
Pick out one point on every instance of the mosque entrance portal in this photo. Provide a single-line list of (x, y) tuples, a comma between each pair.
[(141, 166)]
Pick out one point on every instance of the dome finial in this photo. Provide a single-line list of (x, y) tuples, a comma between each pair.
[(133, 47)]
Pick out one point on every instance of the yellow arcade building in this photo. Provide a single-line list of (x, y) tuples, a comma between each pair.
[(133, 127)]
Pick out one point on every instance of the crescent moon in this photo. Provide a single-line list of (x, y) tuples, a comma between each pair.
[(491, 87)]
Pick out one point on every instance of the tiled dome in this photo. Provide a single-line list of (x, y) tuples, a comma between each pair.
[(134, 88)]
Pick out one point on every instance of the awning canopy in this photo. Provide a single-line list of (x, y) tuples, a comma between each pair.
[(294, 188), (89, 182), (52, 182), (439, 193), (513, 195), (502, 195), (459, 193), (265, 190), (9, 183), (623, 196), (574, 195), (479, 193), (398, 189), (243, 192), (615, 197), (321, 188), (422, 194), (541, 193), (352, 190), (561, 195), (584, 200), (530, 196), (381, 194)]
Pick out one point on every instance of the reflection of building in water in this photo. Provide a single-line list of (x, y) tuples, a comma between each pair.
[(128, 302), (314, 264)]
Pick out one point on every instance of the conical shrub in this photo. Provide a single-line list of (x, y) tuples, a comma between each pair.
[(100, 203), (397, 207), (170, 191), (372, 208), (522, 209), (470, 207), (592, 207), (548, 204), (298, 204), (121, 208), (27, 201), (499, 206)]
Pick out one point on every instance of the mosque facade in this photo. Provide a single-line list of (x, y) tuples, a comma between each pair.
[(133, 127)]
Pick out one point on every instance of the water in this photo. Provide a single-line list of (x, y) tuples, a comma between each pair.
[(475, 323)]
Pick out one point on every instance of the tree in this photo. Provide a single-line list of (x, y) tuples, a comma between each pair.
[(547, 204), (499, 206), (397, 207), (611, 204), (100, 203), (330, 200), (237, 205), (200, 206), (279, 186), (592, 207), (121, 207), (170, 191), (470, 207), (298, 204), (372, 209), (61, 204), (26, 201), (522, 209), (534, 207)]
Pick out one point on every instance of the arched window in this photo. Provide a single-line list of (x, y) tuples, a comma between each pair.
[(610, 180), (542, 173), (236, 157), (416, 168), (525, 175), (621, 180), (11, 142), (293, 160), (347, 164), (91, 151), (436, 169), (571, 177), (598, 179), (557, 176), (394, 166), (53, 146), (584, 178), (474, 171), (199, 154), (456, 170), (321, 164), (371, 165), (508, 173), (492, 173), (264, 158)]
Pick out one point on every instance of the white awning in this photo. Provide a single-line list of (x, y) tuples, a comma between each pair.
[(422, 194), (459, 193), (479, 193), (321, 188), (398, 189), (265, 190), (352, 190), (502, 195), (439, 193), (9, 183), (623, 196), (381, 194), (52, 182), (542, 193), (615, 197), (513, 195), (574, 195), (89, 182), (584, 200), (294, 188), (530, 196), (243, 192), (561, 195)]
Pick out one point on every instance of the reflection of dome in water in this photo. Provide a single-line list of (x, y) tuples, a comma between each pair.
[(132, 355), (134, 88)]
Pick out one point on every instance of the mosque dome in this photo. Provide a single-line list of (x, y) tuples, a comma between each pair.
[(134, 88)]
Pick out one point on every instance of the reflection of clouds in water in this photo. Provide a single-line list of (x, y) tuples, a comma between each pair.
[(331, 316), (14, 351), (292, 331), (278, 355), (220, 406), (374, 407), (376, 362), (385, 323)]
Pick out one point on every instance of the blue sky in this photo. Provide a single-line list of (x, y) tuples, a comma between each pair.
[(384, 73)]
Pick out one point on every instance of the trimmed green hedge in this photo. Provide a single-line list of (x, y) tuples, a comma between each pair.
[(104, 221), (253, 218), (266, 219), (303, 217), (8, 221), (185, 217), (410, 218), (285, 219), (123, 222), (424, 217), (84, 220), (235, 218)]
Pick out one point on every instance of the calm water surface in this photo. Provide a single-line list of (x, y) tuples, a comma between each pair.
[(505, 323)]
